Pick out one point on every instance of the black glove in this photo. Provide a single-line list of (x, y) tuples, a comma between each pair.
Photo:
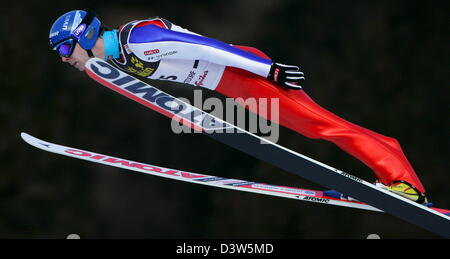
[(286, 75)]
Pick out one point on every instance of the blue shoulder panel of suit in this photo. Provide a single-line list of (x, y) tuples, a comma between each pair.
[(153, 33)]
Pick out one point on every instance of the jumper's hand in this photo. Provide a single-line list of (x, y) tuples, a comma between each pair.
[(286, 75)]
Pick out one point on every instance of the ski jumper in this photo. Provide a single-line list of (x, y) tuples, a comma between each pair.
[(158, 49)]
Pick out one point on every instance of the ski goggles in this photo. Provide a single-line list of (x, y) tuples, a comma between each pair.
[(65, 48)]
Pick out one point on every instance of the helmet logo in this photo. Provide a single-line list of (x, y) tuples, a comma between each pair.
[(79, 31), (54, 34), (66, 23)]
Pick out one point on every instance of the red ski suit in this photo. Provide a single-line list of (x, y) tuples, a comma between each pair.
[(297, 111)]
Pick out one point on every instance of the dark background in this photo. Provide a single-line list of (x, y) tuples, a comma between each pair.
[(383, 65)]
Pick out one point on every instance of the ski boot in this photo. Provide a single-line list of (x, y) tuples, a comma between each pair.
[(406, 190)]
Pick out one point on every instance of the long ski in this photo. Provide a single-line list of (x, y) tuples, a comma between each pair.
[(267, 151), (324, 197), (327, 197)]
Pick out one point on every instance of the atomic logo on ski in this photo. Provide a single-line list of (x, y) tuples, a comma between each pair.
[(154, 98)]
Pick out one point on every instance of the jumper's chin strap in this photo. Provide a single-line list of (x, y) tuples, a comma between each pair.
[(90, 54)]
